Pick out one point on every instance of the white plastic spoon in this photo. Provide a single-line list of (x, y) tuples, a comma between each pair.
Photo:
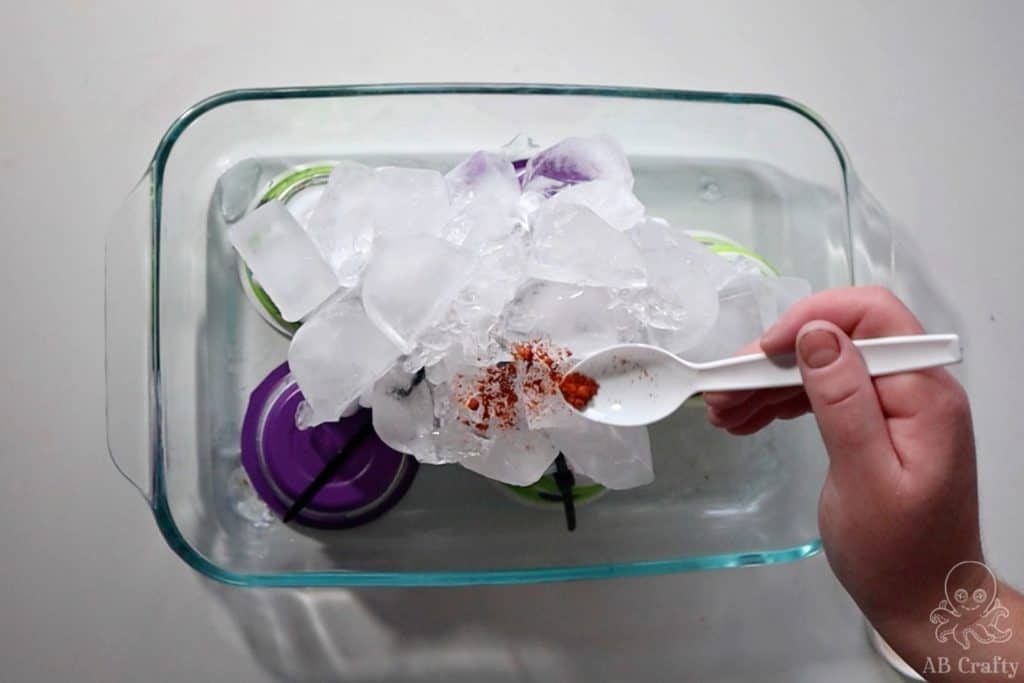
[(641, 384)]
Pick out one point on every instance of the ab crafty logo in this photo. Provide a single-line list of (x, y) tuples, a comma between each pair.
[(971, 610), (970, 614)]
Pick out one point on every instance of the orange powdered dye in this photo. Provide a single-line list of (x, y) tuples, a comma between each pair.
[(490, 397), (498, 395), (578, 389)]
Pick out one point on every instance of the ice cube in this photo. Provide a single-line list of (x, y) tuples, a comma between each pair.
[(410, 283), (581, 319), (458, 442), (283, 260), (774, 294), (739, 321), (519, 149), (484, 193), (545, 408), (236, 189), (352, 408), (464, 431), (432, 344), (529, 202), (337, 355), (341, 225), (681, 303), (539, 375), (572, 244), (403, 415), (737, 265), (484, 175), (576, 160), (783, 292), (439, 372), (497, 275), (732, 262), (653, 235), (518, 457), (748, 305), (303, 203), (246, 502), (616, 457), (409, 201), (613, 201), (306, 417)]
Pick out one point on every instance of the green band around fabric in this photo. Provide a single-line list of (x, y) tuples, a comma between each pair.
[(269, 306), (540, 491), (723, 246), (280, 187)]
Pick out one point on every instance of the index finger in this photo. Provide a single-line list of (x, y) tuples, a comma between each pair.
[(861, 312), (726, 399)]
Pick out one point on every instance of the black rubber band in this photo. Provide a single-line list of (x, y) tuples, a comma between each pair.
[(328, 472), (565, 480)]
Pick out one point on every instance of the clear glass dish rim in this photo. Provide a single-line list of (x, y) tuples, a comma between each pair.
[(342, 578)]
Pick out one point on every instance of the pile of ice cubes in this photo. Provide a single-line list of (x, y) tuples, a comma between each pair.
[(411, 284)]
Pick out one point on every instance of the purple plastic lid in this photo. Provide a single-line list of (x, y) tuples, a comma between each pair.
[(282, 460)]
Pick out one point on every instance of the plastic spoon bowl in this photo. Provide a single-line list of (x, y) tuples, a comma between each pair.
[(641, 384)]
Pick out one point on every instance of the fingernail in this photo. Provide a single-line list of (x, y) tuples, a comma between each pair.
[(818, 348)]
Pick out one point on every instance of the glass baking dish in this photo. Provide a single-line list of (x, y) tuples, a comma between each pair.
[(185, 347)]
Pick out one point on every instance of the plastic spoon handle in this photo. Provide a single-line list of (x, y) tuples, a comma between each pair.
[(882, 356)]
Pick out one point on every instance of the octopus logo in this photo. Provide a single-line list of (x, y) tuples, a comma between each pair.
[(971, 609)]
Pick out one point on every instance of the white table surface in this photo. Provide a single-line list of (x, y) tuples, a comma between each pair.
[(928, 98)]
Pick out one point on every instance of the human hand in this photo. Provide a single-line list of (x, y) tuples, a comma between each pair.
[(899, 506)]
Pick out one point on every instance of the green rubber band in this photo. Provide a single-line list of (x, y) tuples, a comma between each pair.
[(302, 175), (726, 249), (723, 246), (271, 308), (711, 240), (546, 485)]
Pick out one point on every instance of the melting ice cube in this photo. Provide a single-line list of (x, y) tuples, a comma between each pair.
[(410, 283), (613, 201), (246, 502), (748, 305), (780, 294), (497, 275), (579, 318), (577, 160), (283, 260), (337, 355), (467, 329), (408, 201), (617, 457), (519, 149), (403, 415), (517, 456), (739, 320), (341, 225), (484, 193), (681, 303), (571, 243)]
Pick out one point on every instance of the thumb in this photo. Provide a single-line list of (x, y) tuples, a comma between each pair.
[(844, 401)]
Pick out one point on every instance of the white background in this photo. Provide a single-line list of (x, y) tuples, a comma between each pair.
[(927, 97)]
